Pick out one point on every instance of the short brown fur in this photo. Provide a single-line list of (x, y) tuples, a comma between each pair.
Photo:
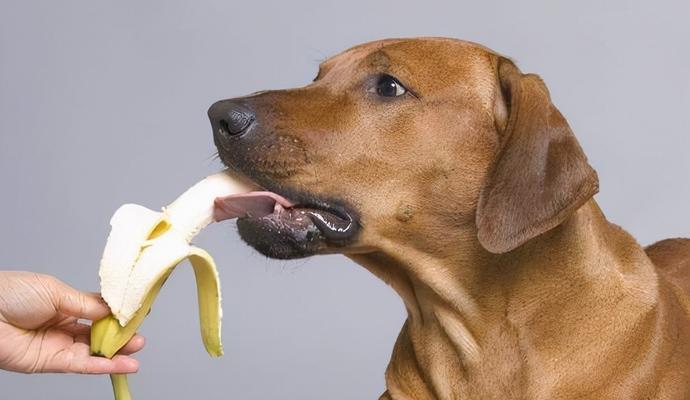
[(476, 206)]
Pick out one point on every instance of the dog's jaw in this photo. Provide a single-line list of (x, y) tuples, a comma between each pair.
[(282, 235)]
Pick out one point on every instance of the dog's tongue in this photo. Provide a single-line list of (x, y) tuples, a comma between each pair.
[(254, 204), (261, 204)]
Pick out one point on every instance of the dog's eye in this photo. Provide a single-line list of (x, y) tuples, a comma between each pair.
[(387, 86)]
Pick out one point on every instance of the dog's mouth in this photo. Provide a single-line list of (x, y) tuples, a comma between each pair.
[(334, 224), (290, 226)]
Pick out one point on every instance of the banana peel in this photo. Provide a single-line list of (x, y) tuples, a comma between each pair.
[(142, 250)]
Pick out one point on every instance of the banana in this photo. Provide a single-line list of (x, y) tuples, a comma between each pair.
[(142, 250)]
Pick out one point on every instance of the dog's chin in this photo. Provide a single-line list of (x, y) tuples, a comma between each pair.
[(286, 235), (285, 224)]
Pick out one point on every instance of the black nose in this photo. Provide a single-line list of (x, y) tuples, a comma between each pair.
[(229, 118)]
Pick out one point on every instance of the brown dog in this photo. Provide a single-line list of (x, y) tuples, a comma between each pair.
[(445, 171)]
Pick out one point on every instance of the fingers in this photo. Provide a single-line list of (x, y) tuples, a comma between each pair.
[(75, 328), (117, 365), (98, 365), (77, 359), (81, 333), (71, 301), (134, 345)]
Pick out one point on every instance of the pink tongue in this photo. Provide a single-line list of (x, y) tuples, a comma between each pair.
[(254, 204)]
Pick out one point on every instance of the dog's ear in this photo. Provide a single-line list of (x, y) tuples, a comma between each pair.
[(540, 175)]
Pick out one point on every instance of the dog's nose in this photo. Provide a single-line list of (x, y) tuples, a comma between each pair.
[(229, 118)]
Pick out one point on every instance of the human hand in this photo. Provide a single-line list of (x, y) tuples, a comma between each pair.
[(40, 329)]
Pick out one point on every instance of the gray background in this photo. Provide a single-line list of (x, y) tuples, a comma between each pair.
[(102, 104)]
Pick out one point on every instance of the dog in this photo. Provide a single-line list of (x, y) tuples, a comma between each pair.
[(449, 174)]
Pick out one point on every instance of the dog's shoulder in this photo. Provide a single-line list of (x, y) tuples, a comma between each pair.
[(672, 260), (670, 254)]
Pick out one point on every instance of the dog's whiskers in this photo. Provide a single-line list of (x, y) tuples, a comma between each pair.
[(213, 157)]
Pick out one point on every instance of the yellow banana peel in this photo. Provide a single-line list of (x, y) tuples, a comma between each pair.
[(143, 248)]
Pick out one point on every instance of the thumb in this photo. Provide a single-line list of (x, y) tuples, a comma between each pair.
[(75, 303)]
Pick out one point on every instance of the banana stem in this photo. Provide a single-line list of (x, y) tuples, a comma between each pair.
[(120, 387)]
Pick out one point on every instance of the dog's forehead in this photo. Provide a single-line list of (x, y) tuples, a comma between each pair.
[(417, 49), (431, 63)]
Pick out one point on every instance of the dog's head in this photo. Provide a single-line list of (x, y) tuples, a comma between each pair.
[(405, 140)]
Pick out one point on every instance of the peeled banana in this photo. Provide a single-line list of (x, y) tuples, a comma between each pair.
[(143, 248)]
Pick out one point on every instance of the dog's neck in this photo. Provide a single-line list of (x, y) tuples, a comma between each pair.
[(567, 295)]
